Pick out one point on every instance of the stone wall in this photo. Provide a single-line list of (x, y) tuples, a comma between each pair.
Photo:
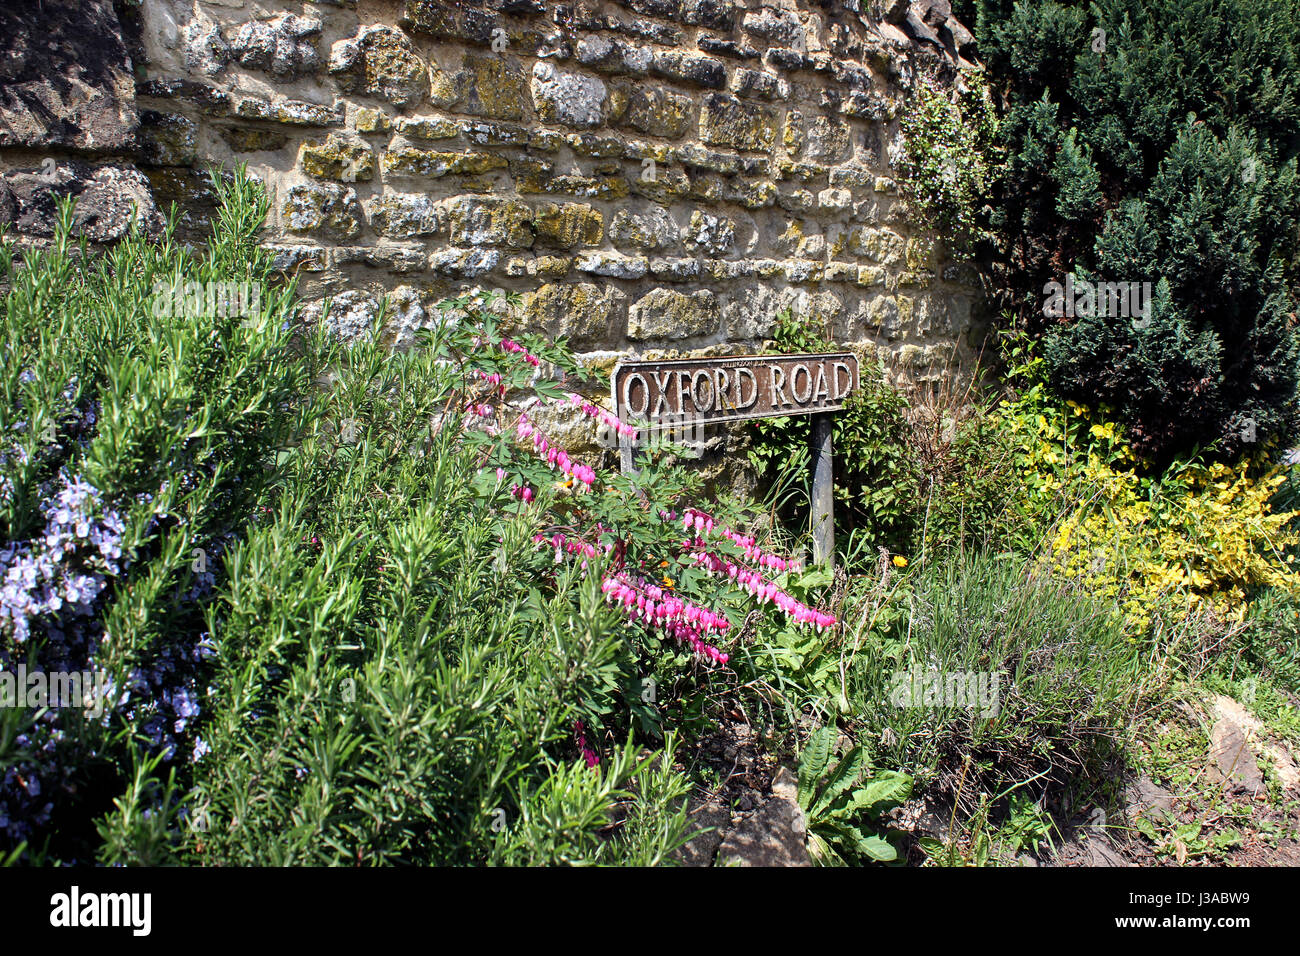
[(651, 175)]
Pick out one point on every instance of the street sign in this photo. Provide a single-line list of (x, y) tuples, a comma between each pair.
[(703, 391), (733, 388)]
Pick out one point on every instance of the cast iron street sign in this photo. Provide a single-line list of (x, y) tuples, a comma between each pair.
[(734, 388)]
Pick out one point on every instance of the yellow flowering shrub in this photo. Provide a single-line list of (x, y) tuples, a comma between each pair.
[(1197, 536)]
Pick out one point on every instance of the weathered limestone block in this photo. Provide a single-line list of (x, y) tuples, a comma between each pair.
[(828, 140), (854, 77), (801, 239), (108, 199), (290, 112), (464, 263), (879, 245), (739, 50), (367, 120), (852, 177), (658, 112), (756, 83), (751, 195), (840, 272), (728, 270), (796, 201), (883, 246), (541, 180), (728, 121), (702, 71), (427, 128), (487, 221), (675, 270), (773, 26), (798, 271), (793, 135), (582, 312), (404, 215), (698, 157), (442, 21), (402, 258), (405, 315), (568, 225), (832, 198), (751, 314), (648, 229), (871, 276), (327, 210), (339, 157), (612, 265), (349, 315), (483, 133), (491, 86), (789, 61), (663, 186), (596, 146), (872, 106), (613, 56), (65, 76), (669, 314), (206, 50), (946, 316), (433, 164), (380, 62), (551, 267), (888, 315), (167, 139), (569, 98), (821, 308), (804, 172), (714, 14), (290, 258), (284, 46), (709, 233), (664, 9)]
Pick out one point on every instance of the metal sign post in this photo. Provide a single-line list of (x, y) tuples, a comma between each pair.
[(737, 388)]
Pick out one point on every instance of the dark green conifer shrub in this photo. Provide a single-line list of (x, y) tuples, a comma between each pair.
[(1155, 141)]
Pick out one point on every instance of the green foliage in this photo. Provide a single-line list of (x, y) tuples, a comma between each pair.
[(1267, 641), (948, 158), (840, 797), (403, 667), (172, 417), (1040, 660), (876, 476), (978, 841), (361, 617), (1155, 141), (384, 665)]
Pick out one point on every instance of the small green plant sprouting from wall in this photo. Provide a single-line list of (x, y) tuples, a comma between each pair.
[(948, 159)]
